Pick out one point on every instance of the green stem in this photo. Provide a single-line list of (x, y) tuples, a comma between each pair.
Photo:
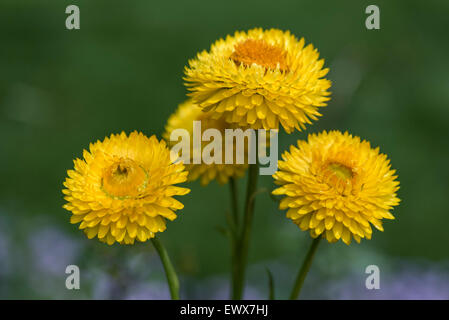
[(234, 203), (172, 278), (304, 269), (235, 231), (242, 245)]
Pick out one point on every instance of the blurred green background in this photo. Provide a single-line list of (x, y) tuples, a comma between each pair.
[(61, 89)]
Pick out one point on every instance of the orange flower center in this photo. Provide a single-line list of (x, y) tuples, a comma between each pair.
[(124, 179), (261, 53), (340, 175), (340, 170)]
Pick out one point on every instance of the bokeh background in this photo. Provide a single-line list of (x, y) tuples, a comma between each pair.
[(61, 89)]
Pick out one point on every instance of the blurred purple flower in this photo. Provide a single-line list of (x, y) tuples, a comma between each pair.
[(4, 258), (149, 291), (413, 283), (218, 288), (52, 251)]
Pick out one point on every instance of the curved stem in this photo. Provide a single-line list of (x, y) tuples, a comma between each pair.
[(172, 278), (242, 245), (304, 269)]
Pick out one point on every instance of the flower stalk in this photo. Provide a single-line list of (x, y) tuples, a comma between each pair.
[(172, 278), (234, 203), (304, 269), (242, 243)]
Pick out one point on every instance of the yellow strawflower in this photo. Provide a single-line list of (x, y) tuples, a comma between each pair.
[(337, 186), (123, 189), (183, 118), (259, 79)]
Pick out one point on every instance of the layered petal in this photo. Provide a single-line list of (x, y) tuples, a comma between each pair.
[(335, 184), (122, 190)]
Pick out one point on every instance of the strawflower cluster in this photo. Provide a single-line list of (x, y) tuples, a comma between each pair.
[(334, 185)]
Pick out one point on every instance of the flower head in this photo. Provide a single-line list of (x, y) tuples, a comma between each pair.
[(259, 79), (123, 188), (183, 118), (336, 185)]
